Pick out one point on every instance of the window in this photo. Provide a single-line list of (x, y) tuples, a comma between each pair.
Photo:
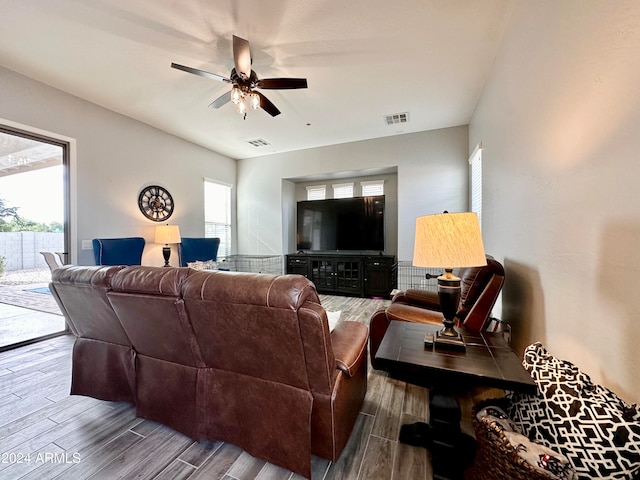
[(372, 188), (343, 190), (475, 162), (317, 192), (217, 214)]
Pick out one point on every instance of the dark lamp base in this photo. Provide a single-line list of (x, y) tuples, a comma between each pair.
[(450, 342), (166, 253)]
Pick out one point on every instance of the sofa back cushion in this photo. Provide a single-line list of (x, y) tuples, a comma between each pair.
[(148, 304), (79, 290), (250, 324)]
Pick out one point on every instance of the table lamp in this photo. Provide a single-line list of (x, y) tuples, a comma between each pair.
[(167, 234), (448, 240)]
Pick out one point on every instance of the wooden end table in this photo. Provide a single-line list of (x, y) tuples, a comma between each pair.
[(488, 361)]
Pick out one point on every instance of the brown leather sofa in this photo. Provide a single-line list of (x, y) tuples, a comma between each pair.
[(480, 287), (238, 357)]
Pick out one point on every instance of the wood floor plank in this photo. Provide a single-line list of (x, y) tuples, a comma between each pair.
[(21, 408), (15, 443), (46, 383), (176, 470), (378, 459), (218, 464), (146, 458), (387, 423), (37, 415), (29, 351), (34, 363), (319, 468), (199, 452), (96, 431), (8, 399), (411, 462), (375, 382), (416, 401), (58, 431), (17, 380), (246, 467), (347, 466), (76, 405), (145, 427), (46, 455), (59, 394), (273, 472), (61, 364), (96, 457)]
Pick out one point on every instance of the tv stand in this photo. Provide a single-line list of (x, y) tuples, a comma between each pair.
[(364, 275)]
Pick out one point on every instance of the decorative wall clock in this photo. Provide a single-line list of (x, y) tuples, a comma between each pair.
[(155, 203)]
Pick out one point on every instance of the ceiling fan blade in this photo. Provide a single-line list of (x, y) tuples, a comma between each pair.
[(242, 57), (221, 100), (282, 83), (267, 106), (200, 73)]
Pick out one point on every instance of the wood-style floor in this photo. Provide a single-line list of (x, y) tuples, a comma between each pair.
[(45, 433)]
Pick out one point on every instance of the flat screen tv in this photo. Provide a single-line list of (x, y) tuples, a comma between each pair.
[(351, 224)]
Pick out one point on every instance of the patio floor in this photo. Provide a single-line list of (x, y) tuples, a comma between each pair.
[(27, 310)]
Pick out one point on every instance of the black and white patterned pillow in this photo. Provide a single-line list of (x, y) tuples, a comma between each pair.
[(588, 423)]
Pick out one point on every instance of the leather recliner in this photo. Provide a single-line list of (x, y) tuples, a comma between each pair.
[(103, 355), (480, 289)]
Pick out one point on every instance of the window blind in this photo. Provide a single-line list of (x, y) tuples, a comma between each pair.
[(372, 188), (316, 192), (475, 162), (343, 190), (217, 214)]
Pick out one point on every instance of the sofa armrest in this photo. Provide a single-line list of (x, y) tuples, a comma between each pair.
[(422, 298), (349, 342)]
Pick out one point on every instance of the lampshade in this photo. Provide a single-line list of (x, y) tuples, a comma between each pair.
[(448, 240), (167, 234)]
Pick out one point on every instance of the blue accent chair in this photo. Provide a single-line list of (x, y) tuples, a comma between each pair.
[(198, 249), (118, 251)]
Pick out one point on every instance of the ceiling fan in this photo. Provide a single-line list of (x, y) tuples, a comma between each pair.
[(245, 81)]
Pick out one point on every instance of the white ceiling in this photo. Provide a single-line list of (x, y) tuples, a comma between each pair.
[(363, 59)]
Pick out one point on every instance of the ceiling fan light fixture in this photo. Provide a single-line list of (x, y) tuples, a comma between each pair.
[(254, 100), (242, 108), (236, 95)]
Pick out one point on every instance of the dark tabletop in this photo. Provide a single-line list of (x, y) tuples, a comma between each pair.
[(488, 360)]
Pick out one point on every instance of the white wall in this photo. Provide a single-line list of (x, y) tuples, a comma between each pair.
[(115, 158), (559, 121), (432, 176)]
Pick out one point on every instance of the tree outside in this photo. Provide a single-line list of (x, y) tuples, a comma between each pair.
[(11, 221), (18, 224)]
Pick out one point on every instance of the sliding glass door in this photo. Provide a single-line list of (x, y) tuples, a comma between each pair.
[(33, 228)]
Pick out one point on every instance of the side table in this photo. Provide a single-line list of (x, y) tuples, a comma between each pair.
[(488, 361)]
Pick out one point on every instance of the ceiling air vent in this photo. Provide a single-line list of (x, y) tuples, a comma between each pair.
[(396, 118), (258, 142)]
